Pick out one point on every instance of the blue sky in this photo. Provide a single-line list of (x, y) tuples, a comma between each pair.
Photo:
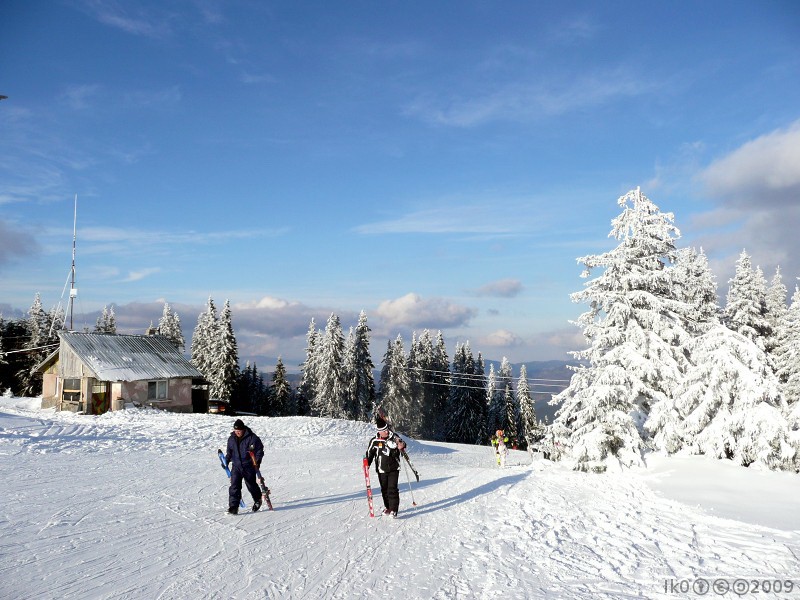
[(437, 165)]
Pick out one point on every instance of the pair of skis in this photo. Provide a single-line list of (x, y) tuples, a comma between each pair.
[(259, 477)]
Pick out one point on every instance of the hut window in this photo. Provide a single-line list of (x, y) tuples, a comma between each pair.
[(72, 390), (157, 390)]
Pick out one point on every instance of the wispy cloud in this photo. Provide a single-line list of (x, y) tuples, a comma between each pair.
[(81, 97), (466, 219), (141, 274), (523, 102), (129, 17)]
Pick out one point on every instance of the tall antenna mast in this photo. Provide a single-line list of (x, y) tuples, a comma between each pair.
[(72, 291)]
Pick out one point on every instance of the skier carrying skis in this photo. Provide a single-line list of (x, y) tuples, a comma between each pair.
[(385, 449), (240, 443), (499, 441)]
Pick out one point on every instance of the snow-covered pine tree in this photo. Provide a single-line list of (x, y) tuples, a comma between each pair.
[(634, 335), (41, 341), (731, 404), (440, 387), (495, 403), (694, 285), (395, 396), (330, 399), (226, 359), (530, 430), (280, 392), (512, 415), (106, 322), (205, 339), (425, 381), (306, 391), (505, 387), (776, 310), (745, 309), (466, 408), (169, 325), (360, 376), (787, 353)]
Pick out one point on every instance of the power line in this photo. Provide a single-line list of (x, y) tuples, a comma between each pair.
[(478, 376), (30, 349)]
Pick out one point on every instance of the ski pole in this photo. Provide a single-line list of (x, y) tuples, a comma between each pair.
[(408, 460), (408, 479)]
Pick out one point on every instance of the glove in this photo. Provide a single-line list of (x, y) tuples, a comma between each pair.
[(391, 444)]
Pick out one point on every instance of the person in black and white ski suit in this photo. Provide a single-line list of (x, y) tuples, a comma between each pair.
[(240, 443), (385, 449)]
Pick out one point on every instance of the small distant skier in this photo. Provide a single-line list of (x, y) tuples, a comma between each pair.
[(499, 441), (241, 442), (385, 449)]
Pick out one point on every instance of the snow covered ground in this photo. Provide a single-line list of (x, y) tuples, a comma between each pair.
[(131, 505)]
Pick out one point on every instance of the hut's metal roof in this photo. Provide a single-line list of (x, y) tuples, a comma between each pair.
[(115, 357)]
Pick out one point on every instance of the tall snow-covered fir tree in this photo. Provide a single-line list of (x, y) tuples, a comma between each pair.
[(330, 398), (395, 390), (42, 339), (360, 376), (426, 379), (169, 325), (205, 340), (530, 430), (694, 285), (306, 390), (505, 390), (280, 392), (512, 415), (226, 359), (634, 335), (440, 387), (787, 353), (495, 403), (466, 405), (745, 309), (776, 310), (731, 405)]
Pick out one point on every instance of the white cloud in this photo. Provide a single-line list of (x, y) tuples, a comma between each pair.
[(502, 338), (412, 310), (765, 170), (503, 288), (267, 302)]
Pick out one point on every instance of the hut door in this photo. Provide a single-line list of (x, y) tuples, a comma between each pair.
[(101, 397)]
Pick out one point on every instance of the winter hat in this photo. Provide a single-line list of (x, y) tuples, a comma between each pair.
[(239, 424), (381, 424)]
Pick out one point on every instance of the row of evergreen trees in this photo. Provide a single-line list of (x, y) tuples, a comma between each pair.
[(421, 392), (666, 368)]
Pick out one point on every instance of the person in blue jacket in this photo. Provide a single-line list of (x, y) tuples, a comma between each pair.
[(241, 442)]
